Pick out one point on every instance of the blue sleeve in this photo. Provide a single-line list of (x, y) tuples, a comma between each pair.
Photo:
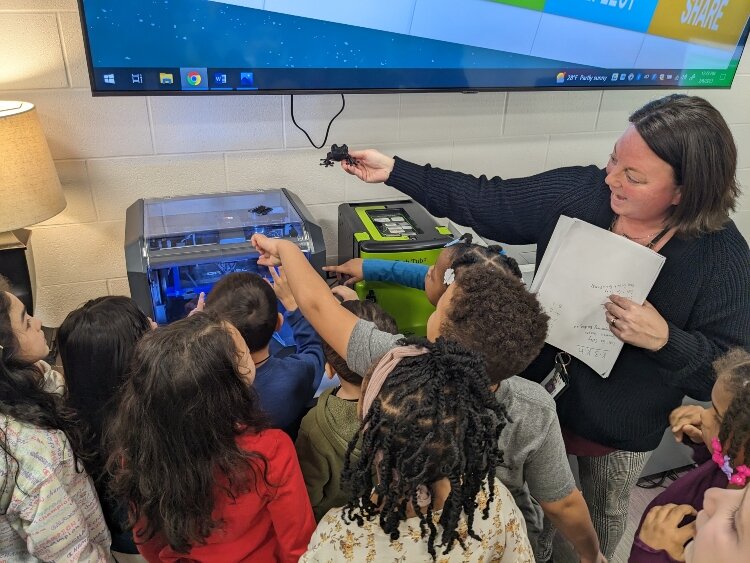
[(402, 273), (309, 348)]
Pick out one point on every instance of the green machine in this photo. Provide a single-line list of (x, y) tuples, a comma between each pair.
[(393, 230)]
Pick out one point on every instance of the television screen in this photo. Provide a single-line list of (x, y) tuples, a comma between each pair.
[(273, 46)]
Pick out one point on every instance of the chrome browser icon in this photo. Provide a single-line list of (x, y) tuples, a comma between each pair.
[(194, 78)]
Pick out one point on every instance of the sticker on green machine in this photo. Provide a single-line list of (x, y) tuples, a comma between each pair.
[(385, 223)]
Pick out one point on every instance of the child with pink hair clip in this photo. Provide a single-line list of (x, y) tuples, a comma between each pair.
[(721, 438)]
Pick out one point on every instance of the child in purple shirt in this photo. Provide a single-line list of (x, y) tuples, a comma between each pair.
[(720, 436)]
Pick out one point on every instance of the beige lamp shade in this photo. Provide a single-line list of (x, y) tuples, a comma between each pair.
[(30, 190)]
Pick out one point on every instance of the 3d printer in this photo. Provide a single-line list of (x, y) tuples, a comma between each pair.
[(393, 230), (177, 247)]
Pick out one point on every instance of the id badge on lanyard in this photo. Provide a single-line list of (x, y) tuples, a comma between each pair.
[(558, 379)]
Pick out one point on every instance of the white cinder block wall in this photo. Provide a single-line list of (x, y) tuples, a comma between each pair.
[(111, 151)]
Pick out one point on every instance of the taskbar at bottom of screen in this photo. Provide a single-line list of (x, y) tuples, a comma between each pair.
[(205, 79)]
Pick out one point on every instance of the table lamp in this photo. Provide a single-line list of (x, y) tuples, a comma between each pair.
[(30, 190)]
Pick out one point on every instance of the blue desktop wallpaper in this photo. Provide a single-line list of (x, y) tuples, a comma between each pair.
[(198, 33)]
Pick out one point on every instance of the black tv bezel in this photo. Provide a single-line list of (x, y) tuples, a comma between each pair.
[(97, 93)]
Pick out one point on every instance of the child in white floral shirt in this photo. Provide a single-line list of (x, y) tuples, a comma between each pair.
[(431, 430)]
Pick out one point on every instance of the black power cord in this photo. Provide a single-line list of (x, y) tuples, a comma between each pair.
[(328, 129)]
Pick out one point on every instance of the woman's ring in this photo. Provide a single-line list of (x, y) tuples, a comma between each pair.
[(613, 321)]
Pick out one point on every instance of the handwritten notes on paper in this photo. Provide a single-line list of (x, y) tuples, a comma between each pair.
[(582, 267)]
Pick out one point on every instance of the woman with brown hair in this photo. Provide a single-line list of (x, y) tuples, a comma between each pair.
[(669, 185)]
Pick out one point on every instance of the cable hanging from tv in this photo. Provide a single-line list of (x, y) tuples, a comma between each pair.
[(328, 129)]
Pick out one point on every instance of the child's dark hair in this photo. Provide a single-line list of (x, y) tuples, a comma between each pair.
[(172, 441), (733, 370), (23, 397), (492, 312), (248, 302), (368, 311), (96, 342), (433, 418), (467, 252)]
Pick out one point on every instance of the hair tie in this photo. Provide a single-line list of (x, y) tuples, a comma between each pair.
[(737, 476), (385, 366), (464, 238), (424, 496), (449, 276)]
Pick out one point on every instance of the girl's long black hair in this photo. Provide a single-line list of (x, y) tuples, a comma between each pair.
[(23, 397), (172, 442), (434, 418), (96, 342)]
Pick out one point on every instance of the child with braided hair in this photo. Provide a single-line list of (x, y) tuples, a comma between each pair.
[(430, 430), (536, 468), (720, 436), (487, 310)]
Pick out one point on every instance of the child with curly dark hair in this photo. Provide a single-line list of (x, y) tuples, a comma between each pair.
[(720, 436), (507, 347), (49, 510), (424, 485), (192, 455), (332, 423), (532, 440)]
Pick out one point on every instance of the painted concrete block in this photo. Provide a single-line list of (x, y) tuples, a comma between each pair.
[(38, 5), (80, 126), (734, 104), (75, 55), (118, 286), (742, 219), (75, 183), (741, 135), (118, 182), (299, 170), (54, 302), (743, 177), (432, 117), (580, 149), (510, 157), (184, 124), (78, 253), (30, 52), (534, 113)]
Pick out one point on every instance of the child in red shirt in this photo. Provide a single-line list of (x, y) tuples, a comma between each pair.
[(192, 454)]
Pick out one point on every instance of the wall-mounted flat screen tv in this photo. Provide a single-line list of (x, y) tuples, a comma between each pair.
[(273, 46)]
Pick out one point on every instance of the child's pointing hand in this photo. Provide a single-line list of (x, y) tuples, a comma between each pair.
[(268, 249)]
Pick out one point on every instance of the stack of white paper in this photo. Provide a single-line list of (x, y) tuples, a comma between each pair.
[(582, 267)]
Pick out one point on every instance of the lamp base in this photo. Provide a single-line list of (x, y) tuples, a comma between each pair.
[(13, 265)]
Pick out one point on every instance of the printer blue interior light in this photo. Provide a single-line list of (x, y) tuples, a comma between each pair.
[(178, 247)]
